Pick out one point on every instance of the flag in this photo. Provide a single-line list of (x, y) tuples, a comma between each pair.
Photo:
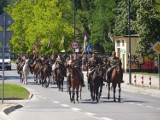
[(34, 47), (84, 43), (48, 44), (39, 43)]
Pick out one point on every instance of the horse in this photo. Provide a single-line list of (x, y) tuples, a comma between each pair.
[(45, 75), (96, 83), (116, 77), (20, 65), (26, 71), (74, 84), (59, 75), (36, 70)]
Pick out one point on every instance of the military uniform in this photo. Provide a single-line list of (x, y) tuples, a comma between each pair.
[(77, 64), (93, 62), (112, 64)]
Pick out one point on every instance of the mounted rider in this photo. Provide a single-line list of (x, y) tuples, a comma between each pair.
[(113, 60), (93, 62), (77, 64), (60, 60)]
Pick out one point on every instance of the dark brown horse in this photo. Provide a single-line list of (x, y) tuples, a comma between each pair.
[(96, 83), (116, 77), (20, 65), (60, 73), (74, 84), (45, 75), (36, 71)]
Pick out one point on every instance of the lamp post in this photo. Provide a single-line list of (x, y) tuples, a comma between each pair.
[(129, 37)]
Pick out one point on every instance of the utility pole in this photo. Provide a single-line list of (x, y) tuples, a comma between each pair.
[(129, 37)]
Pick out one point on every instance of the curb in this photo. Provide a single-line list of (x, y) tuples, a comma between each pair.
[(10, 108)]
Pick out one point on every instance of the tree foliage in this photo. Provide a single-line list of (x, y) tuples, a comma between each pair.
[(54, 20)]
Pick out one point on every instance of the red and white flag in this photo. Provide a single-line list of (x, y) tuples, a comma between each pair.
[(49, 43)]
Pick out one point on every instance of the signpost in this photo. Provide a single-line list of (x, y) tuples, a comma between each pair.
[(5, 22), (75, 45), (156, 47)]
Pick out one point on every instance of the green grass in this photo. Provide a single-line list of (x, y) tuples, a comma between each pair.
[(13, 91)]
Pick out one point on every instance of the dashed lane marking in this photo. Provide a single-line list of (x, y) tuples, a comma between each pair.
[(149, 106), (139, 104), (89, 113), (104, 118), (56, 102), (65, 105), (75, 109)]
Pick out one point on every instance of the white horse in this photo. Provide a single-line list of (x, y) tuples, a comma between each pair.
[(26, 71)]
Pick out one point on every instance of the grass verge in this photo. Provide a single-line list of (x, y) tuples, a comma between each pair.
[(14, 92)]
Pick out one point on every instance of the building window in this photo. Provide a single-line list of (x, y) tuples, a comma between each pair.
[(118, 42), (122, 42)]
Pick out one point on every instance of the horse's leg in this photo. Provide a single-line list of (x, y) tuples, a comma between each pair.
[(119, 86), (77, 93), (73, 94), (80, 91), (47, 82), (114, 93), (69, 90), (97, 93), (109, 91), (62, 83)]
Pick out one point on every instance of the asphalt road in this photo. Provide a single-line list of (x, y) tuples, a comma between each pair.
[(51, 104)]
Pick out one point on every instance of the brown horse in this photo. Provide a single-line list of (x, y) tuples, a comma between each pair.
[(59, 75), (74, 84), (20, 65), (45, 75), (116, 77), (36, 71), (96, 83)]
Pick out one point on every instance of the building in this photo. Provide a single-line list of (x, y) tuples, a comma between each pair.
[(138, 63)]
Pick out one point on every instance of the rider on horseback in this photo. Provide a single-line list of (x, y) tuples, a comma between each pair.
[(59, 60), (93, 62), (77, 64), (112, 63)]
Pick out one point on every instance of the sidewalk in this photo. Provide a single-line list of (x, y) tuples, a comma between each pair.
[(148, 86)]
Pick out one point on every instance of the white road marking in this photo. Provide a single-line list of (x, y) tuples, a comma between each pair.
[(131, 103), (104, 118), (76, 109), (64, 105), (149, 106), (90, 114), (139, 104), (56, 102)]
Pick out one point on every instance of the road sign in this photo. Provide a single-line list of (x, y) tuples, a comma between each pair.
[(89, 48), (5, 37), (75, 45), (156, 47), (5, 20)]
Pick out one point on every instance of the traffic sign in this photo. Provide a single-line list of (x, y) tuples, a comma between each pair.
[(156, 47), (75, 45), (5, 20), (89, 48), (5, 37)]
